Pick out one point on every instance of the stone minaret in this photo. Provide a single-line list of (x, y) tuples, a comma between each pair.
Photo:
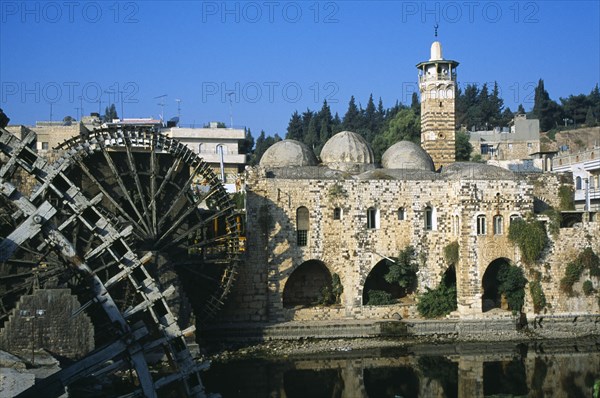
[(437, 84)]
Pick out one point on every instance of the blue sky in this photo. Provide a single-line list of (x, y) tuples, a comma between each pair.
[(275, 57)]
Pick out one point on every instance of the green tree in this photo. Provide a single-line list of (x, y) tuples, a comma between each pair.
[(294, 130), (247, 144), (415, 105), (547, 111), (404, 126), (404, 270), (351, 121), (512, 284), (3, 119), (110, 113), (463, 147)]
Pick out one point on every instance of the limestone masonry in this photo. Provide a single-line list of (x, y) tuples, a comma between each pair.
[(307, 223)]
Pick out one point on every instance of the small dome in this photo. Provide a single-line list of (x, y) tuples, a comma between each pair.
[(406, 155), (347, 151), (436, 51), (288, 153)]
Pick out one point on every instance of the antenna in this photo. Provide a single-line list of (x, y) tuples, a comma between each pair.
[(162, 106), (230, 109), (178, 108), (81, 106)]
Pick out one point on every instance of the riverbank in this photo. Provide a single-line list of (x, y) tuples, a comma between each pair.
[(307, 338)]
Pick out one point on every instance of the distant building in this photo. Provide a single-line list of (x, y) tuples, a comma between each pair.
[(50, 134), (216, 145), (585, 166), (519, 140)]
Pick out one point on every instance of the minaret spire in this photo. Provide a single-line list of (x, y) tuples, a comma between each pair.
[(435, 27)]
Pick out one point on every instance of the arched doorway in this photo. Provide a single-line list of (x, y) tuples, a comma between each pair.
[(378, 291), (503, 286), (305, 285), (491, 297)]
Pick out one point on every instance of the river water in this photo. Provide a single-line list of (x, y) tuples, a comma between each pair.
[(547, 369)]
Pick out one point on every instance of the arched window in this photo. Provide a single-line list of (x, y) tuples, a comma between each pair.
[(302, 226), (401, 214), (337, 213), (481, 225), (498, 225), (578, 183), (372, 218), (455, 225), (428, 218)]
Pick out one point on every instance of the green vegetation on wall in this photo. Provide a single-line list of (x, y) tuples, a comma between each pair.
[(451, 253), (565, 195), (587, 259), (530, 236), (537, 295)]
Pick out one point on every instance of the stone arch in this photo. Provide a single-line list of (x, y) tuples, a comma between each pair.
[(304, 285), (375, 281), (491, 297)]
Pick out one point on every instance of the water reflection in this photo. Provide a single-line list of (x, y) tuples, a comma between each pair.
[(540, 370)]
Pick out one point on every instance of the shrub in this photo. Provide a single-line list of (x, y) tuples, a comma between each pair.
[(379, 297), (437, 302), (331, 294), (404, 270), (588, 288), (572, 275), (530, 236), (590, 260), (538, 296), (512, 283), (451, 253), (565, 195)]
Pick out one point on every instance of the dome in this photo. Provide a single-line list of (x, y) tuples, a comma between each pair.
[(348, 151), (406, 155), (288, 153), (436, 51)]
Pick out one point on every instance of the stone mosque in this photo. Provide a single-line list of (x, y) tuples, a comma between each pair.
[(348, 217)]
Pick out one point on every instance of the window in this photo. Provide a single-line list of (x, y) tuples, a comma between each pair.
[(428, 218), (498, 224), (578, 183), (337, 213), (480, 225), (401, 214), (302, 224), (372, 218), (45, 146), (529, 145), (514, 217), (455, 225)]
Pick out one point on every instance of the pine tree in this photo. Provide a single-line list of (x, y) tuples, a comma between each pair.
[(415, 105), (496, 105), (352, 117), (311, 138), (110, 113), (294, 130)]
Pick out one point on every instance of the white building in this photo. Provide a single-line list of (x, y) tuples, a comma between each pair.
[(220, 147), (585, 167)]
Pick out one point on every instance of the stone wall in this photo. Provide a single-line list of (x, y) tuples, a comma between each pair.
[(349, 248), (54, 330)]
